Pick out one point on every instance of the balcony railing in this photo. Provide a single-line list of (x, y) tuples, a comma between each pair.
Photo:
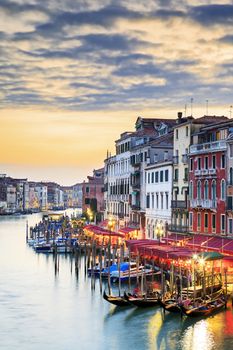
[(201, 172), (178, 228), (175, 159), (136, 186), (135, 206), (178, 204), (203, 203), (185, 158), (209, 146)]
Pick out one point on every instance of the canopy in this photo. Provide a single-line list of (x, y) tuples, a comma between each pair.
[(127, 229), (209, 256)]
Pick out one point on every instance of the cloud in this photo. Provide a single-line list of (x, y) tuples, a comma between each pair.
[(212, 14)]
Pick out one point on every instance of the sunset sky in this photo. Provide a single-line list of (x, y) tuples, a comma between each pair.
[(75, 74)]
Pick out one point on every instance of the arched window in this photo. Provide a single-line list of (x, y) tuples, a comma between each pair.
[(199, 189), (206, 190), (231, 176), (191, 190), (213, 190), (223, 190)]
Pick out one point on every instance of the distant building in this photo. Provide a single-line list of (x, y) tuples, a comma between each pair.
[(93, 192)]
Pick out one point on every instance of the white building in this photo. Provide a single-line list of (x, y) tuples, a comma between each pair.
[(117, 182), (41, 191), (158, 198)]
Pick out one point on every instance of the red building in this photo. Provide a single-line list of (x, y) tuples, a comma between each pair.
[(93, 193), (207, 179)]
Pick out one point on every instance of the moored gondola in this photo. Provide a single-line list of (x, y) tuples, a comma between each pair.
[(118, 301), (205, 308), (170, 305), (142, 300)]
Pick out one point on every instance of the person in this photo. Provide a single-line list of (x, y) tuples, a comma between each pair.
[(178, 286)]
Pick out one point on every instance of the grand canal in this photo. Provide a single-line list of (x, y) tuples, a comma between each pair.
[(41, 309)]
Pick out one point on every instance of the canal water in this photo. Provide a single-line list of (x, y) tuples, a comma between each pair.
[(41, 309)]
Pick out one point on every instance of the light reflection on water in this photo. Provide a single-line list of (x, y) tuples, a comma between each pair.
[(41, 310)]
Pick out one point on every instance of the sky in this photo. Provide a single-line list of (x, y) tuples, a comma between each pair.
[(76, 74)]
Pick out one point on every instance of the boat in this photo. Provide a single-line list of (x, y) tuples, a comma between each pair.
[(133, 272), (205, 308), (118, 301), (43, 247), (169, 304), (143, 300)]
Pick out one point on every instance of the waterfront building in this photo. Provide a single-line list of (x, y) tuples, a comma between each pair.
[(143, 152), (183, 135), (93, 195), (117, 172), (229, 182), (42, 195), (77, 195), (158, 187), (208, 178)]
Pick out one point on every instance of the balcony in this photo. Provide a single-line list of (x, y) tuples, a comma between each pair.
[(204, 172), (178, 204), (175, 159), (175, 179), (136, 185), (185, 158), (197, 172), (203, 203), (208, 147), (178, 228), (135, 207)]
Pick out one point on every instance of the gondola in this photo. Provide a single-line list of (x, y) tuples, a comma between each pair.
[(206, 308), (118, 301), (170, 305), (142, 301)]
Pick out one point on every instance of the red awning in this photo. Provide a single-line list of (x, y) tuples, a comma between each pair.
[(127, 229)]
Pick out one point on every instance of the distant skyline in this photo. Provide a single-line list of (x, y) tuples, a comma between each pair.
[(76, 74)]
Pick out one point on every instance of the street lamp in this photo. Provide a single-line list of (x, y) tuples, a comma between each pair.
[(159, 231)]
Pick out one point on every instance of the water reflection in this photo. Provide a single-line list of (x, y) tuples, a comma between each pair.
[(48, 303)]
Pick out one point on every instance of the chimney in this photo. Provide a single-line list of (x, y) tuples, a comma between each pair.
[(179, 115)]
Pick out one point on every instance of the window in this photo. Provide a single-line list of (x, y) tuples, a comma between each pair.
[(231, 176), (166, 175), (222, 223), (87, 189), (223, 163), (165, 155), (166, 200), (161, 176), (148, 178), (213, 223), (191, 190), (191, 219), (157, 201), (148, 201), (206, 221), (199, 163), (223, 190), (152, 178), (206, 190), (199, 189), (230, 226), (231, 150), (213, 190), (213, 161), (206, 162), (187, 131), (177, 134), (198, 221), (185, 174), (176, 175), (153, 201), (156, 176), (161, 195), (191, 164)]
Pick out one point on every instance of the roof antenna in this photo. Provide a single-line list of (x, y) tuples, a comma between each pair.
[(191, 106), (185, 110), (207, 107)]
